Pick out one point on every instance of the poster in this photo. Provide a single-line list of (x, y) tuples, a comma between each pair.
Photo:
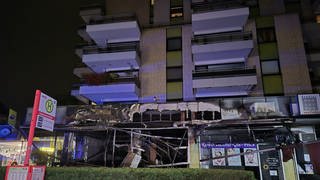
[(250, 158), (234, 160), (217, 152)]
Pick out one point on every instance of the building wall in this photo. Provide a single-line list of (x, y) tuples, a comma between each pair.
[(271, 7), (161, 12), (293, 61), (253, 60), (139, 7), (153, 65), (188, 66)]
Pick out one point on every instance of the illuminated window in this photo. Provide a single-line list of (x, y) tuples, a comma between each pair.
[(176, 11), (151, 13), (318, 19)]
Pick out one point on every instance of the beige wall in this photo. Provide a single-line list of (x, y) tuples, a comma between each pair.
[(161, 12), (153, 64), (293, 61), (139, 7), (271, 7), (187, 63), (253, 60)]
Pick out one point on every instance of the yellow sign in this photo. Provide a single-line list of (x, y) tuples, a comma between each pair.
[(12, 118)]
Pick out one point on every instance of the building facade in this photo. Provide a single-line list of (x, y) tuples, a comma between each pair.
[(238, 69)]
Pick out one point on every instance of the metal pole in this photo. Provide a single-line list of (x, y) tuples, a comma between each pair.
[(32, 126), (113, 146)]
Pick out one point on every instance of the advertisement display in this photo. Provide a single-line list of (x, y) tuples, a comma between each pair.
[(309, 104), (234, 160), (217, 152), (250, 158)]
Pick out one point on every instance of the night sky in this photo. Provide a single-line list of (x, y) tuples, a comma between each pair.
[(37, 40)]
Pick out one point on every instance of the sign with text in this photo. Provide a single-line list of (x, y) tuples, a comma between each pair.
[(46, 112), (309, 104), (25, 172)]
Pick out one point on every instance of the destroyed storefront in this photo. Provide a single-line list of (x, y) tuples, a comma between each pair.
[(188, 134)]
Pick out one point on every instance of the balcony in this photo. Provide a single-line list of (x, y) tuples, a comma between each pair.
[(111, 87), (91, 13), (114, 57), (236, 82), (221, 48), (82, 71), (114, 29), (83, 34), (220, 16)]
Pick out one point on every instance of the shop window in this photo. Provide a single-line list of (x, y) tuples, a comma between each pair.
[(174, 74), (272, 85), (270, 67), (264, 22), (174, 58), (174, 90), (174, 44), (268, 51), (266, 35)]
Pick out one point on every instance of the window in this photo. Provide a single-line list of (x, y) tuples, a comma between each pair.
[(270, 67), (151, 14), (174, 74), (174, 90), (272, 84), (264, 21), (176, 11), (268, 51), (174, 44), (266, 35), (173, 32), (174, 58), (318, 19)]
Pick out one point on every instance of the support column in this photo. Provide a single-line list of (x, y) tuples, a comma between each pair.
[(193, 149)]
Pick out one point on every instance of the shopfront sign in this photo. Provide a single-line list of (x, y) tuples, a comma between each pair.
[(209, 145)]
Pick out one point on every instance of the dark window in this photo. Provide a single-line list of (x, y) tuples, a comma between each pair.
[(176, 11), (174, 74), (266, 35), (174, 44)]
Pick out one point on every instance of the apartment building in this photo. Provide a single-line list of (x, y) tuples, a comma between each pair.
[(211, 60)]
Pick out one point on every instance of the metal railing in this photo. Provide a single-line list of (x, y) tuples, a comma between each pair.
[(110, 78), (112, 47), (221, 37), (114, 19), (225, 73), (200, 7)]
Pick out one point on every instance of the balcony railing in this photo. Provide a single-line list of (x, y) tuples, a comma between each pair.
[(221, 37), (111, 78), (112, 47), (226, 73), (115, 19), (201, 7), (92, 6)]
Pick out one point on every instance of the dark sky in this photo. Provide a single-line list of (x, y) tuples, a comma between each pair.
[(37, 40)]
